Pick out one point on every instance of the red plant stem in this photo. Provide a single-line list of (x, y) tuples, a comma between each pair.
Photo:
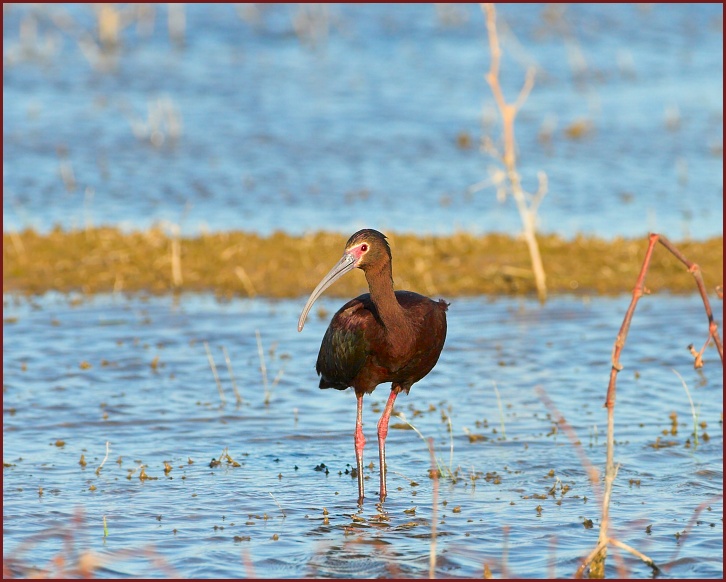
[(695, 270), (638, 291), (625, 327)]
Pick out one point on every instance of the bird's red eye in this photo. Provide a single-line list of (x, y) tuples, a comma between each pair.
[(363, 247)]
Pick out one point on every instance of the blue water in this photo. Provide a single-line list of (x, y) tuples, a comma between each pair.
[(199, 521), (353, 121), (356, 123)]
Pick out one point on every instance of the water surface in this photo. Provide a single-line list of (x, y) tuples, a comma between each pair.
[(134, 372), (251, 126)]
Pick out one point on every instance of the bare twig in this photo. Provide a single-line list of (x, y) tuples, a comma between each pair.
[(627, 548), (527, 204), (695, 270), (597, 559), (598, 562), (638, 292), (601, 547)]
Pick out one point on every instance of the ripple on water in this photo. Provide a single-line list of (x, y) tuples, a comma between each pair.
[(266, 510)]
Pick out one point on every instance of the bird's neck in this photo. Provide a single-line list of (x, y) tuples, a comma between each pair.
[(380, 285)]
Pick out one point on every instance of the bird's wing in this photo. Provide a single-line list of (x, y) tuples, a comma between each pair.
[(345, 346)]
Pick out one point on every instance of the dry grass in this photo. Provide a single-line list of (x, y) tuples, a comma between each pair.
[(103, 260)]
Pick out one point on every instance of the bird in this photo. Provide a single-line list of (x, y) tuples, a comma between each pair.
[(381, 336)]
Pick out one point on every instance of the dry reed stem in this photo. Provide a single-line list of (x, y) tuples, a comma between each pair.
[(176, 272), (597, 559), (284, 515), (501, 410), (18, 245), (277, 378), (435, 503), (508, 111), (246, 281), (263, 366), (694, 415), (237, 395), (108, 450), (214, 371)]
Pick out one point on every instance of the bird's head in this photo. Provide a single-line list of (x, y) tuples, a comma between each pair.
[(364, 249), (368, 247)]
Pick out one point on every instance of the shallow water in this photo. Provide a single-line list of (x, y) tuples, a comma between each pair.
[(267, 517), (361, 129)]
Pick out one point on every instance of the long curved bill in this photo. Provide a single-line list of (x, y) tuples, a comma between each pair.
[(345, 264)]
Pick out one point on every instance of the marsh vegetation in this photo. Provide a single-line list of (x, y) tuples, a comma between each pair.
[(239, 264)]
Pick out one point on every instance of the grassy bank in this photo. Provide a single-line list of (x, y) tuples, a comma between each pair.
[(242, 264)]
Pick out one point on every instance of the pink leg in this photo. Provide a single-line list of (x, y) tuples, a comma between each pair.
[(360, 442), (382, 434)]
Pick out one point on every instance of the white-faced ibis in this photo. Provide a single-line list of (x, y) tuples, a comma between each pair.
[(381, 336)]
